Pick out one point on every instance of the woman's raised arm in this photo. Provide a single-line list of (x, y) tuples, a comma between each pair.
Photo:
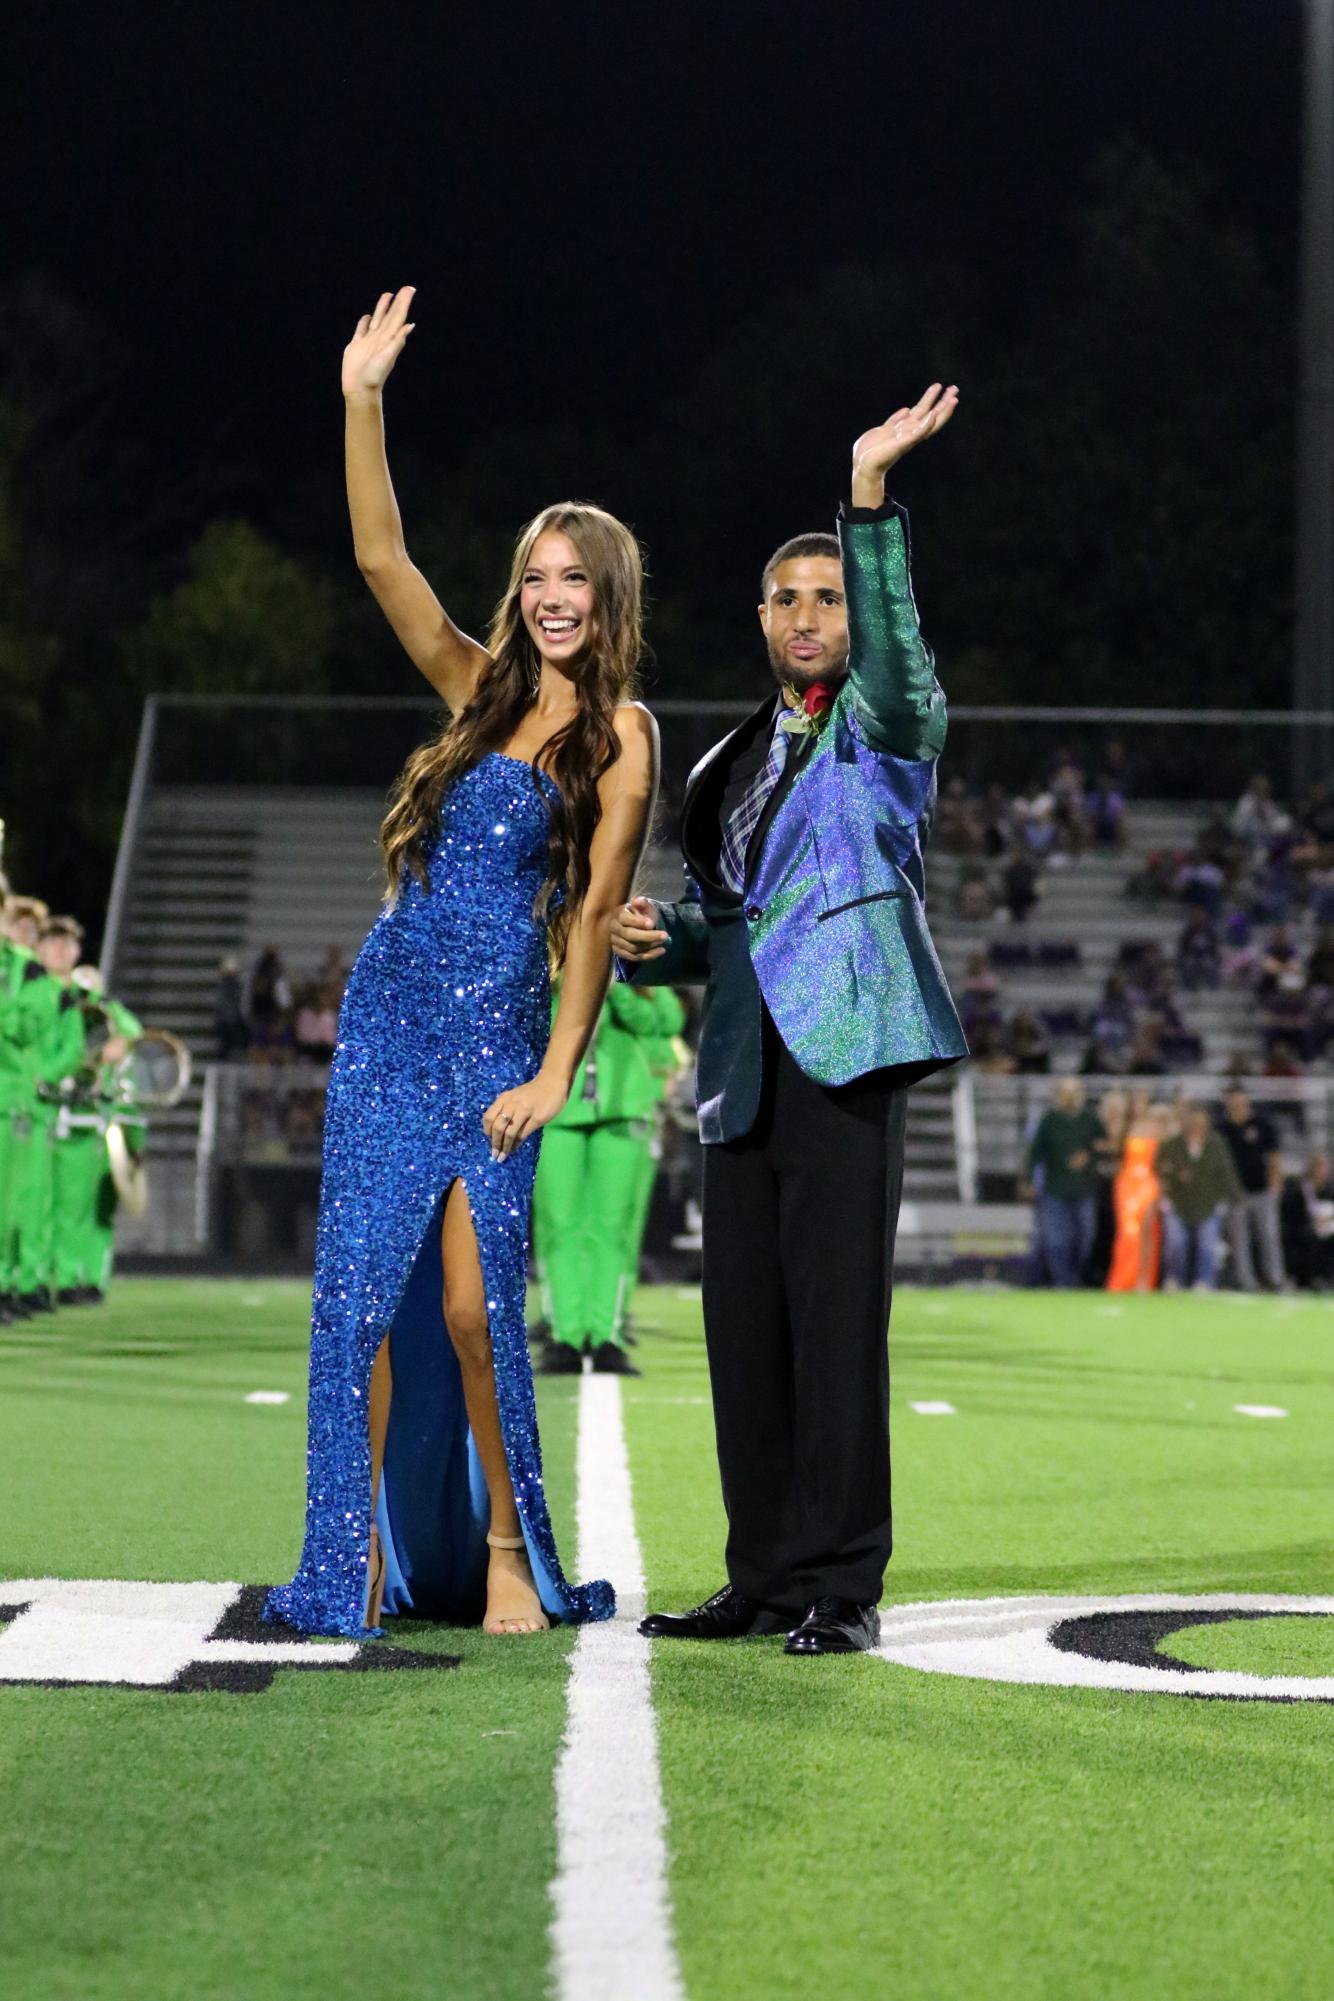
[(447, 657)]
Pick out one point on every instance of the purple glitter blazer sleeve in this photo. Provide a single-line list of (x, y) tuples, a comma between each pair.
[(899, 704)]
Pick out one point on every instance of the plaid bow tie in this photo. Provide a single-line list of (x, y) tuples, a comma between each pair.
[(746, 817)]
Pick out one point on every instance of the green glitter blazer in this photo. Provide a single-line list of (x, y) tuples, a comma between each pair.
[(830, 931)]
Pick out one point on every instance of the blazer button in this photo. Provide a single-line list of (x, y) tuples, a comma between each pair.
[(753, 911)]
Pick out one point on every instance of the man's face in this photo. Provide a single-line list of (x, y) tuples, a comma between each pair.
[(1238, 1107), (805, 620), (23, 931)]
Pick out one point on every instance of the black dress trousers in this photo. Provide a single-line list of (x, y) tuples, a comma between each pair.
[(799, 1223)]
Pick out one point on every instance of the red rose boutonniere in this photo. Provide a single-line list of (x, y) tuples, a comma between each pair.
[(807, 711)]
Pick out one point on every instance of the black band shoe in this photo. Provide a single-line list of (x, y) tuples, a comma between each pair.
[(725, 1616), (835, 1626), (609, 1359), (558, 1358)]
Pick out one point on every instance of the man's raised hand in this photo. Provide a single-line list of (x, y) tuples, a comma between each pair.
[(634, 933), (378, 341), (882, 447)]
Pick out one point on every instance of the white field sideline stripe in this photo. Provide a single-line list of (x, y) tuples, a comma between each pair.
[(611, 1932)]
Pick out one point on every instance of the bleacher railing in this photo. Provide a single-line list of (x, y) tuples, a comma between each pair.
[(261, 1129)]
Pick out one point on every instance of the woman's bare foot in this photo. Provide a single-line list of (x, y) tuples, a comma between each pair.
[(512, 1603)]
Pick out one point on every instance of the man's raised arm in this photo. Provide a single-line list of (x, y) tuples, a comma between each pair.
[(896, 697)]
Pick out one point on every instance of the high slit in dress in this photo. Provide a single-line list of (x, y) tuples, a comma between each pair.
[(449, 1003)]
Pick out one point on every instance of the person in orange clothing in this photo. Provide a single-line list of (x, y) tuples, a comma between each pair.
[(1136, 1194)]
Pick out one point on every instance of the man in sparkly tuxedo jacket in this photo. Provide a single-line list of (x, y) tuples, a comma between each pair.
[(803, 833)]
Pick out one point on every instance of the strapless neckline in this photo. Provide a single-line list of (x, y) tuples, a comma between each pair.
[(526, 762)]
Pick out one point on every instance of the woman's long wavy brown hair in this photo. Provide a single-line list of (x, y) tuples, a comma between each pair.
[(577, 755)]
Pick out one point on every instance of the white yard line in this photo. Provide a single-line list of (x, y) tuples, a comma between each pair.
[(611, 1933)]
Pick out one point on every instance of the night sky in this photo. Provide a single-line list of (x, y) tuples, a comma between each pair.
[(587, 197)]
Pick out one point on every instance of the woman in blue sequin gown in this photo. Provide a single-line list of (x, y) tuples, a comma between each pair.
[(510, 841)]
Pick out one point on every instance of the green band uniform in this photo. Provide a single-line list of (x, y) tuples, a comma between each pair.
[(41, 1042), (85, 1197), (598, 1165)]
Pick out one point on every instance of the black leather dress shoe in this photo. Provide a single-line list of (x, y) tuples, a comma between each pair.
[(725, 1616), (835, 1626)]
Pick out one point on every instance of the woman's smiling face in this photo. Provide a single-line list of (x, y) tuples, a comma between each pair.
[(556, 598)]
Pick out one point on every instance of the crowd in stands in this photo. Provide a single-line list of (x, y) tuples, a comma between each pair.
[(1005, 841), (261, 1017), (280, 1028), (1139, 1193), (1255, 888)]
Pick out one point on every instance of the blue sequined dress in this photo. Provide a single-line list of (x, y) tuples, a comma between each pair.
[(448, 1003)]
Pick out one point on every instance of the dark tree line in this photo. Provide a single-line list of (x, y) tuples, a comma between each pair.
[(1108, 521)]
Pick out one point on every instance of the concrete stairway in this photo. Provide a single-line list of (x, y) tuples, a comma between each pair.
[(930, 1173), (224, 872)]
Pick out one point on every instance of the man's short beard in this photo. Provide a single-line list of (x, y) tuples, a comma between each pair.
[(833, 676)]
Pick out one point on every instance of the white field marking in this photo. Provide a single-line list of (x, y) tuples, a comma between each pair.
[(611, 1929), (1260, 1409), (253, 1299), (934, 1409), (1110, 1312), (116, 1630), (1009, 1639), (268, 1396), (689, 1292), (934, 1306)]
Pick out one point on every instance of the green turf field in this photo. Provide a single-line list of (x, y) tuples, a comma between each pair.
[(833, 1826)]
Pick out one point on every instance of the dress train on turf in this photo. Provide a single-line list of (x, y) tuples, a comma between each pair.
[(448, 1004)]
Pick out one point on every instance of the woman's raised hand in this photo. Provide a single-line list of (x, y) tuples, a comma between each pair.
[(378, 341)]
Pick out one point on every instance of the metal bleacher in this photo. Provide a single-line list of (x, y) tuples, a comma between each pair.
[(1083, 903), (214, 867), (222, 872)]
